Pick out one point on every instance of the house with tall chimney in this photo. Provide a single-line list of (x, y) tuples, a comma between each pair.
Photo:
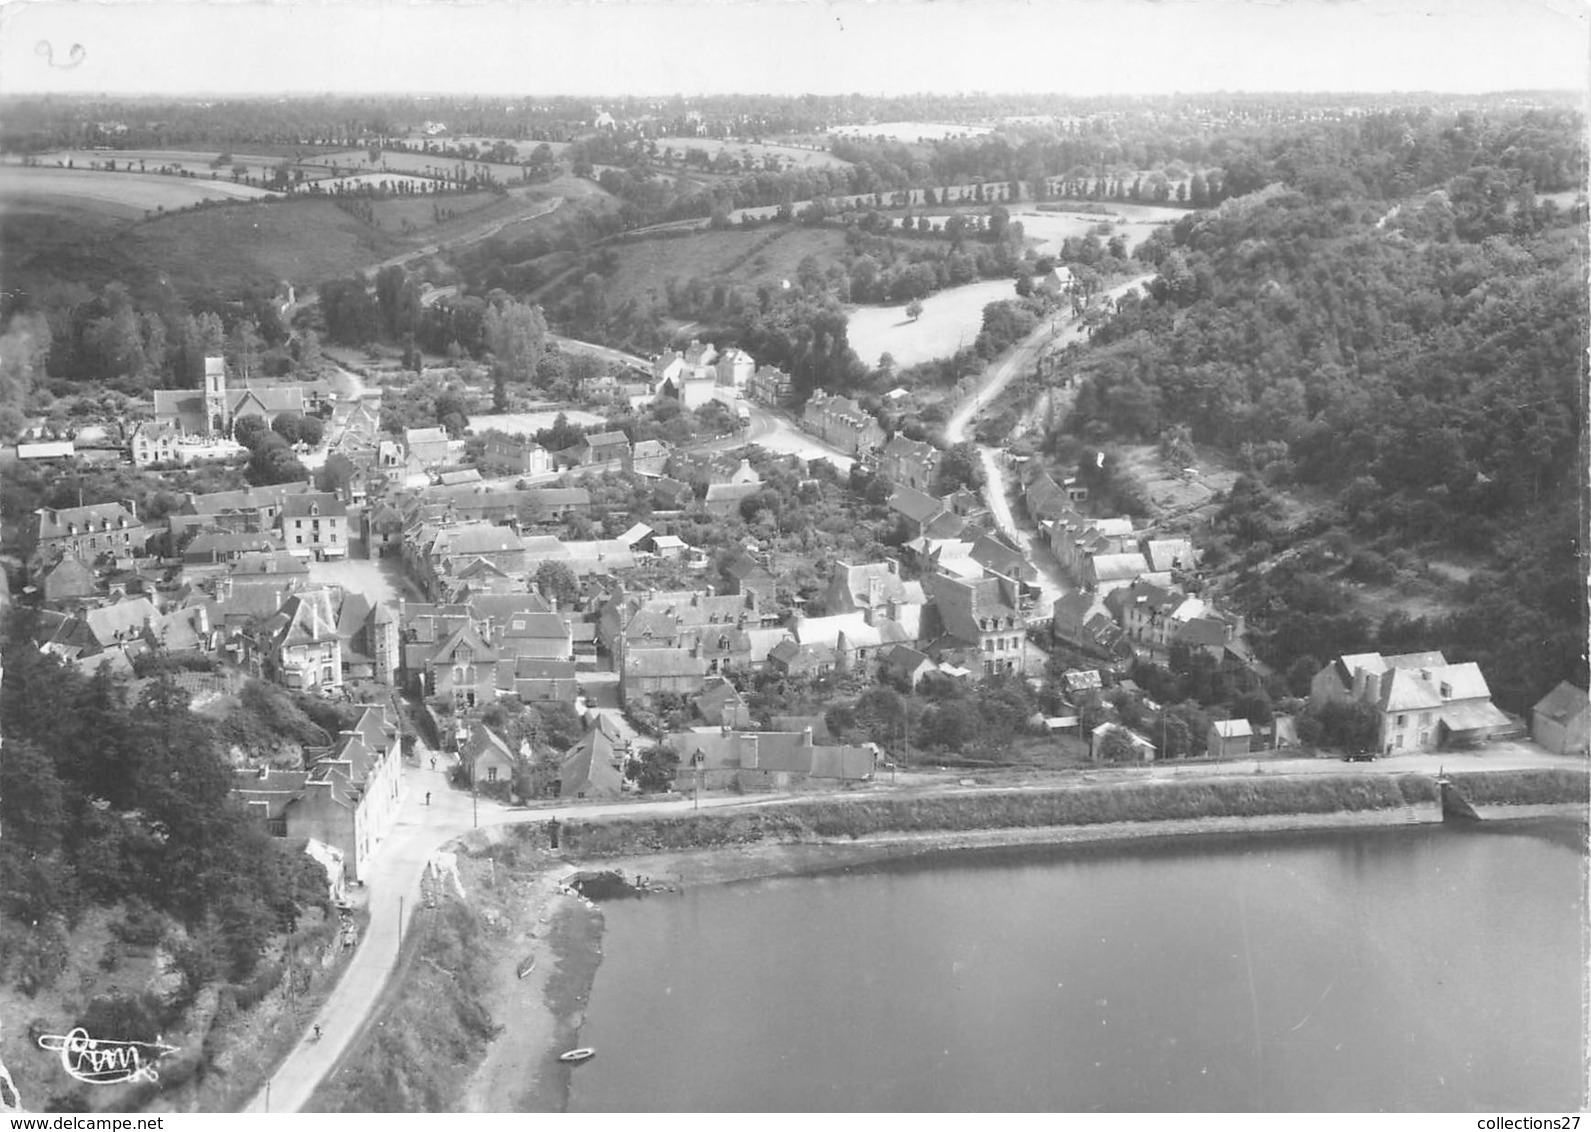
[(1422, 702)]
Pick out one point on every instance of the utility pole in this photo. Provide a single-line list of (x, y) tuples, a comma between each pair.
[(400, 921)]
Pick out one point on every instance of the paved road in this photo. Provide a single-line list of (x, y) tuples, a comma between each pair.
[(394, 888), (1053, 581), (1004, 370)]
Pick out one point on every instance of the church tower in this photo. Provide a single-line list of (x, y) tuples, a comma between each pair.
[(217, 419)]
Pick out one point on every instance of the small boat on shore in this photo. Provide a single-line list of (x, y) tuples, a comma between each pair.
[(576, 1056), (526, 966)]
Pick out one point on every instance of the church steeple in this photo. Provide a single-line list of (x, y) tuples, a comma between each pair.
[(217, 418)]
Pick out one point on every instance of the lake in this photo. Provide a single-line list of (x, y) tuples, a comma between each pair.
[(1408, 969)]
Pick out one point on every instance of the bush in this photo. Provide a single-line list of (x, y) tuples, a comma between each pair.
[(125, 1017)]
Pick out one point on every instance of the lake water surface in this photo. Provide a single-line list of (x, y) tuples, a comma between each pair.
[(1408, 969)]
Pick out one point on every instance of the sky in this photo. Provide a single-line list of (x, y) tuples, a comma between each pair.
[(657, 47)]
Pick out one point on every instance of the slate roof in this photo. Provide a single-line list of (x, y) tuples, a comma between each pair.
[(917, 506), (1169, 554), (587, 768), (1117, 567), (314, 504), (95, 517), (654, 663), (1563, 703)]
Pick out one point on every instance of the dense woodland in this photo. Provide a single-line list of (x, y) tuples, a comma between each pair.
[(1397, 321), (110, 796)]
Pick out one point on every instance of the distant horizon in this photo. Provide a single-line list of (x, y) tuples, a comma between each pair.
[(644, 96), (786, 48)]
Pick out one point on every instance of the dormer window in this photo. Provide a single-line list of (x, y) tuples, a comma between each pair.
[(1447, 691)]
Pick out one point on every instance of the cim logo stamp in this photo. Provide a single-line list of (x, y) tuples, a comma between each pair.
[(95, 1061)]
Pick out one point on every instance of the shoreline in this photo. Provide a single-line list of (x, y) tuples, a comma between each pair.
[(520, 1071)]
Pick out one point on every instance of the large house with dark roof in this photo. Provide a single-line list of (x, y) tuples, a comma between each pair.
[(347, 799), (299, 647), (88, 532), (1423, 702), (646, 673), (315, 523), (980, 620), (913, 463)]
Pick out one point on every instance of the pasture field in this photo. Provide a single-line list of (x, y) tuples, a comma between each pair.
[(731, 256), (138, 192), (950, 319), (911, 131), (198, 162), (177, 162), (225, 250), (753, 154), (393, 161)]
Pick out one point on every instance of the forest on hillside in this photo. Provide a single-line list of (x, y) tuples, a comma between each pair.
[(1418, 356), (113, 797)]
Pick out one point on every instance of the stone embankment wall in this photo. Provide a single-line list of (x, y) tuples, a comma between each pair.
[(838, 819)]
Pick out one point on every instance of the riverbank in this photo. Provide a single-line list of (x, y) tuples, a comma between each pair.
[(517, 909)]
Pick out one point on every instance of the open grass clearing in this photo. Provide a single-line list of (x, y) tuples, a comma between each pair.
[(729, 256), (140, 192), (395, 161), (950, 320), (195, 160), (754, 155), (1049, 230), (221, 251)]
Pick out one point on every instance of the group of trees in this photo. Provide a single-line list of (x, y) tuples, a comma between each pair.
[(272, 455), (136, 341), (107, 798), (1419, 358)]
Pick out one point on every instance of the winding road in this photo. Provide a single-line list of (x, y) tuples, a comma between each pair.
[(1053, 581), (394, 888)]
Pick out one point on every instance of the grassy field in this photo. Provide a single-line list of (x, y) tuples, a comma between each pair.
[(1047, 230), (223, 250), (124, 193), (731, 256), (358, 161), (754, 154), (951, 319)]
